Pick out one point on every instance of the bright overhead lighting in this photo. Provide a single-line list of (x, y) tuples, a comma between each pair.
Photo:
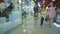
[(53, 0), (39, 5), (43, 1), (19, 1), (32, 1)]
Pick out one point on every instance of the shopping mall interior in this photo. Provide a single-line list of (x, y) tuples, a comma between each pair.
[(17, 17)]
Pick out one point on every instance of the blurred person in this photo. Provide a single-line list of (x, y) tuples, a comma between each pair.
[(7, 11), (24, 14), (46, 8), (35, 13), (43, 14), (6, 14), (46, 19), (51, 13)]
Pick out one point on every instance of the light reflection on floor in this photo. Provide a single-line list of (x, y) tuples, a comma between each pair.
[(28, 27)]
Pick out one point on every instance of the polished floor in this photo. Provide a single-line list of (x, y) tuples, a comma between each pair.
[(28, 27)]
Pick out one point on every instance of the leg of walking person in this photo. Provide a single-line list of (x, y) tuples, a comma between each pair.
[(54, 20), (49, 22), (35, 19), (7, 17), (42, 19)]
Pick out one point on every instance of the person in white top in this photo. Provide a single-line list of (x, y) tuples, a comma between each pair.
[(43, 14)]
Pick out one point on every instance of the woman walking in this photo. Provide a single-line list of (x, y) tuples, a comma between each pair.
[(51, 13), (43, 14)]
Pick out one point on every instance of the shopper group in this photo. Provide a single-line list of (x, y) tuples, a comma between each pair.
[(48, 14)]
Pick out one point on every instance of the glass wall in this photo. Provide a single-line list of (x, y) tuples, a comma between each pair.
[(13, 16), (27, 6), (13, 11)]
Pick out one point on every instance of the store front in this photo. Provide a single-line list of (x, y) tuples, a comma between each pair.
[(15, 17)]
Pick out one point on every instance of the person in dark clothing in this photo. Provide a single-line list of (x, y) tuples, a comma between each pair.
[(43, 14), (6, 14), (7, 18), (42, 19), (35, 14), (35, 10), (7, 11)]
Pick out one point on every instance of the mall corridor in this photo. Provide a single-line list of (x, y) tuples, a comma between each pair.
[(18, 16), (28, 27)]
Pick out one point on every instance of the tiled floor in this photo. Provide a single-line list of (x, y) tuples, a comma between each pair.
[(28, 27)]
